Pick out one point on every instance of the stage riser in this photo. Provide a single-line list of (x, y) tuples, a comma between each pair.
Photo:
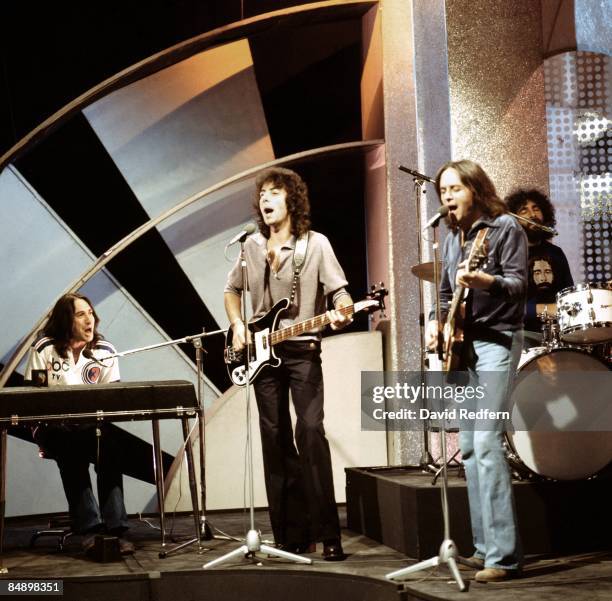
[(400, 508), (256, 584)]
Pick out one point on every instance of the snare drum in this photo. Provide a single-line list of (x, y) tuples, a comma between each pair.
[(585, 313), (555, 453)]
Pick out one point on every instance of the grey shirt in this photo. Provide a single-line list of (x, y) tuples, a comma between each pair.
[(321, 275)]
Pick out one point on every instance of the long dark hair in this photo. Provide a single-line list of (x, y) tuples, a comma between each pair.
[(298, 205), (473, 176), (519, 198), (61, 320)]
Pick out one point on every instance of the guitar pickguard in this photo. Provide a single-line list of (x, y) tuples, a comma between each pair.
[(265, 334), (262, 353)]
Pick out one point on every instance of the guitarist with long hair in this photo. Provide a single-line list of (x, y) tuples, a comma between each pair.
[(299, 482), (491, 342)]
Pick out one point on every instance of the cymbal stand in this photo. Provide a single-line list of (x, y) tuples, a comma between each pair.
[(252, 541), (448, 553)]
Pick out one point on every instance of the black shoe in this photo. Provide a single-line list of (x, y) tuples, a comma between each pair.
[(332, 550), (297, 548)]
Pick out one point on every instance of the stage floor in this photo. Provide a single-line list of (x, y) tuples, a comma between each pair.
[(361, 576)]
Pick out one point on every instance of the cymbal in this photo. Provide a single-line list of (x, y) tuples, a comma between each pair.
[(425, 271)]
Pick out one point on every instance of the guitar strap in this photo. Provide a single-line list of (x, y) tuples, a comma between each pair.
[(299, 257), (479, 240)]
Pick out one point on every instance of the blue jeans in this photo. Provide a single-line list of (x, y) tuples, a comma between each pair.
[(74, 448), (492, 509)]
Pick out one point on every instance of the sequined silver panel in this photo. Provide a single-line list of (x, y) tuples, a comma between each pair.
[(496, 83), (578, 100)]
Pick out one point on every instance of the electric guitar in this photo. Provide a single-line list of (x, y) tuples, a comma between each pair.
[(265, 334), (453, 327)]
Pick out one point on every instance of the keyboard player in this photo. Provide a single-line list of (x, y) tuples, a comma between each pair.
[(70, 350)]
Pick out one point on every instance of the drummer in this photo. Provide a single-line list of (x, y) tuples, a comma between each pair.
[(549, 270)]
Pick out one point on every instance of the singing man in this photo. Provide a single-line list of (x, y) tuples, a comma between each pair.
[(299, 482), (493, 340)]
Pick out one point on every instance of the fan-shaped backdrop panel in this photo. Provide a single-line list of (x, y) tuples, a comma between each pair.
[(45, 258), (180, 131)]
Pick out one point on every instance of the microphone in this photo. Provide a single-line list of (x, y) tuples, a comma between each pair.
[(433, 222), (416, 174), (537, 224), (249, 229)]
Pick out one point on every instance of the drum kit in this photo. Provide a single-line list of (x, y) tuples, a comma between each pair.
[(575, 341), (578, 339)]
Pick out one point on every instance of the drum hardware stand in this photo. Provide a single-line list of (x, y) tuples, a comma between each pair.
[(452, 460), (203, 528), (550, 330), (252, 541), (448, 553)]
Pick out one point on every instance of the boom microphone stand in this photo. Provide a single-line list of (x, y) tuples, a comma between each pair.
[(252, 542), (448, 551), (203, 528)]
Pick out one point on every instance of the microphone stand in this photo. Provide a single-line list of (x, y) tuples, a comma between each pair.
[(544, 228), (252, 541), (426, 461), (448, 553), (203, 528)]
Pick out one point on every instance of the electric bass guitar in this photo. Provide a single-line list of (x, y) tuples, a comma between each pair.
[(265, 334), (453, 327)]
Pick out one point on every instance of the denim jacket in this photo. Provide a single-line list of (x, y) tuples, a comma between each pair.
[(502, 306)]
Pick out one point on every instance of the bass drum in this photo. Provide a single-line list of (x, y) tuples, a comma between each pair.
[(540, 393)]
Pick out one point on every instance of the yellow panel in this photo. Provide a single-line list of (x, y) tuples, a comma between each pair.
[(372, 124), (162, 93)]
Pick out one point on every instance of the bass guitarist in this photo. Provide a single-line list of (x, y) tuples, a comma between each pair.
[(492, 342), (288, 260)]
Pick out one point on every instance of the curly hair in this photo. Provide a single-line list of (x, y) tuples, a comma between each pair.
[(518, 199), (60, 323), (473, 176), (298, 205)]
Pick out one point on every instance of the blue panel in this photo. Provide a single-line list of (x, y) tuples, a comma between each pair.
[(43, 258), (41, 255)]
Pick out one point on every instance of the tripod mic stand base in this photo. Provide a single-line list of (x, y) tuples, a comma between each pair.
[(253, 546), (201, 549), (448, 555), (206, 534)]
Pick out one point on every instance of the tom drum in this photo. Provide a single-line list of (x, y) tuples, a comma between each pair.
[(585, 313)]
